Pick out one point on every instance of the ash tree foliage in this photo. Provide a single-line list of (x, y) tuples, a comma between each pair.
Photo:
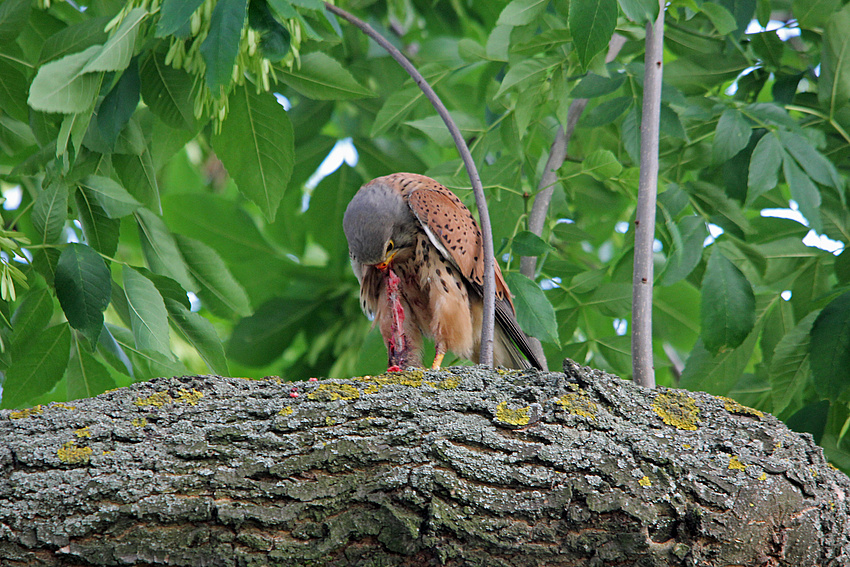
[(146, 154)]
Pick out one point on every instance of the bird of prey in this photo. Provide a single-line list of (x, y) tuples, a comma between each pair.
[(418, 255)]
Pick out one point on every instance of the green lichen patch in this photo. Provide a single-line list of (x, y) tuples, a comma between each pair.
[(512, 416), (71, 454), (578, 404), (190, 397), (677, 409), (83, 432), (158, 399), (736, 464), (333, 392), (732, 406)]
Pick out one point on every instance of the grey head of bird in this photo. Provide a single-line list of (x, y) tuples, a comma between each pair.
[(378, 224)]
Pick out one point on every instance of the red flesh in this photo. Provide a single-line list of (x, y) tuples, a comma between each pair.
[(397, 345)]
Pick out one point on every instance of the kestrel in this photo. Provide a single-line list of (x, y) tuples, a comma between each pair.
[(418, 255)]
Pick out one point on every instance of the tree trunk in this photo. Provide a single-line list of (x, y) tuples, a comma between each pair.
[(466, 466)]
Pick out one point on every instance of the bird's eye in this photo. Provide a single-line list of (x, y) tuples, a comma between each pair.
[(390, 246)]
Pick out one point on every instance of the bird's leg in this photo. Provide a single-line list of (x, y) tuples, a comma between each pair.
[(438, 356), (397, 345)]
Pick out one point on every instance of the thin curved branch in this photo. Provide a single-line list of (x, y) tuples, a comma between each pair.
[(488, 323), (643, 371)]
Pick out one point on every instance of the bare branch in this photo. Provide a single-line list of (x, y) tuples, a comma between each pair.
[(643, 370), (487, 326)]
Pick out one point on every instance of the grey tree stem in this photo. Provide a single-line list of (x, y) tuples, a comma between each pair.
[(488, 323), (643, 370)]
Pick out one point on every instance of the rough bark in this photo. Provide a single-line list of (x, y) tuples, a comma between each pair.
[(466, 466)]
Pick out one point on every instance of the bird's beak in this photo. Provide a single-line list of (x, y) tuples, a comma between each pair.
[(385, 264)]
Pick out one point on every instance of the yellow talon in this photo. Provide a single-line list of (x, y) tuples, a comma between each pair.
[(438, 360)]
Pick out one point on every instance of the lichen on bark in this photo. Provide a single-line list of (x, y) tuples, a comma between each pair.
[(458, 467)]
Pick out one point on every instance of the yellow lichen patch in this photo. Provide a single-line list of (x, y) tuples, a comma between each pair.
[(71, 454), (763, 476), (732, 406), (736, 464), (677, 409), (189, 397), (158, 399), (286, 410), (372, 389), (449, 383), (105, 452), (29, 412), (578, 404), (329, 421), (645, 482), (686, 446), (84, 432), (512, 416), (62, 406), (139, 421), (412, 378), (333, 392)]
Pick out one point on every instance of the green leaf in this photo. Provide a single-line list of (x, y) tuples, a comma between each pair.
[(119, 105), (75, 38), (640, 11), (261, 338), (138, 174), (601, 165), (13, 91), (148, 316), (160, 249), (813, 13), (830, 348), (30, 319), (521, 12), (724, 22), (813, 162), (434, 127), (606, 112), (83, 287), (728, 305), (85, 376), (50, 211), (593, 85), (219, 291), (168, 92), (168, 288), (834, 81), (764, 165), (732, 135), (527, 243), (115, 54), (115, 201), (688, 238), (174, 14), (592, 24), (803, 191), (199, 333), (716, 373), (395, 109), (274, 38), (498, 43), (60, 86), (323, 78), (221, 45), (527, 72), (534, 312), (100, 231), (14, 15), (40, 368), (262, 163), (790, 364)]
